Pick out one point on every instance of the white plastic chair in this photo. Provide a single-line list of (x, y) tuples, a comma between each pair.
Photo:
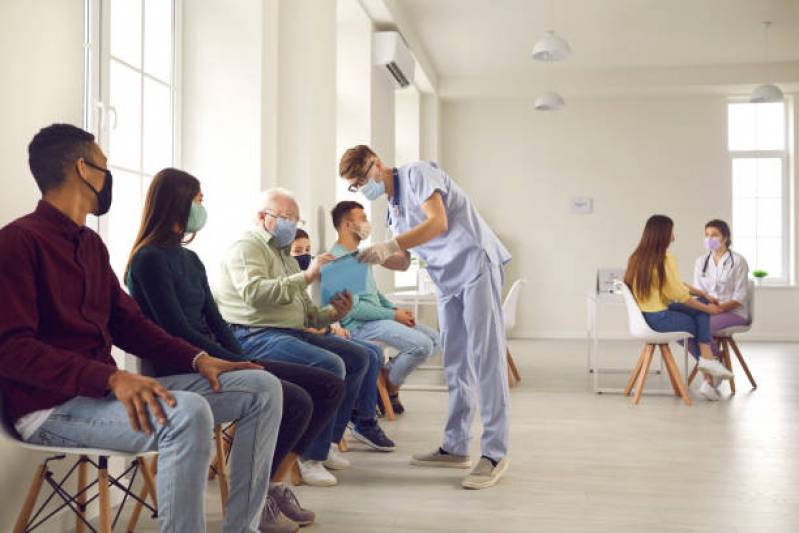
[(79, 501), (641, 330), (725, 341), (509, 314)]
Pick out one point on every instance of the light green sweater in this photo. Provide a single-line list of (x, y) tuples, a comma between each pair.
[(261, 285), (368, 306)]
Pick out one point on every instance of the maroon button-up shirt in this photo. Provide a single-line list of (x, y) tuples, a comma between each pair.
[(61, 310)]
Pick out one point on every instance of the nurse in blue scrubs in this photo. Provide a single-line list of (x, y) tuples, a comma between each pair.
[(429, 214)]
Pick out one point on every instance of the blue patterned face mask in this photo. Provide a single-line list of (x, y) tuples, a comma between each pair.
[(284, 231), (197, 218), (373, 190)]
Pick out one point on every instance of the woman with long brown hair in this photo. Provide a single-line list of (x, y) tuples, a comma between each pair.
[(169, 283), (665, 301)]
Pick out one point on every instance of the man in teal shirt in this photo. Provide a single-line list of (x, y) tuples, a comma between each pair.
[(373, 317)]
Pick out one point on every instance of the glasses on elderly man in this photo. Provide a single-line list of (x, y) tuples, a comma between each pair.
[(362, 180), (291, 217)]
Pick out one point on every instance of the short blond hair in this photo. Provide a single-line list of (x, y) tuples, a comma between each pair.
[(353, 162)]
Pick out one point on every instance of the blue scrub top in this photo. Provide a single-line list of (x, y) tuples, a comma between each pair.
[(466, 249)]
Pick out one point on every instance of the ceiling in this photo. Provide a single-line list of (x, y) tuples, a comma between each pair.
[(495, 37)]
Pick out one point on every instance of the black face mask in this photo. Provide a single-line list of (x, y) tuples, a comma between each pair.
[(104, 194), (304, 260)]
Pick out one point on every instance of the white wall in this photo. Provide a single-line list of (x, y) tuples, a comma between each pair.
[(42, 62), (221, 116), (634, 155)]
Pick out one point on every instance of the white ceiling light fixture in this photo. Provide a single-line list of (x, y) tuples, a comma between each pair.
[(552, 47), (549, 101), (766, 93)]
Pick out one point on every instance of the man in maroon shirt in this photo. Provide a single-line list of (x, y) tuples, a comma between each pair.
[(62, 311)]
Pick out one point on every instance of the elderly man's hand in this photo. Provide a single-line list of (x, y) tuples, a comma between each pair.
[(314, 270), (376, 254), (342, 305)]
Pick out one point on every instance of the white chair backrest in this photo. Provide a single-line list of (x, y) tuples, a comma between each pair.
[(635, 319), (511, 303)]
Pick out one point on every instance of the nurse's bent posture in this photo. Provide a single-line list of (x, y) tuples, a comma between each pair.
[(430, 214)]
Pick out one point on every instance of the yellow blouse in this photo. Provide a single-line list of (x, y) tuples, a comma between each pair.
[(674, 290)]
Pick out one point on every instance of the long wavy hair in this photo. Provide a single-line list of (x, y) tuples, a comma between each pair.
[(649, 256), (166, 208)]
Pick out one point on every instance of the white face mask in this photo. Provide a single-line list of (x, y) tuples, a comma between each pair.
[(364, 230)]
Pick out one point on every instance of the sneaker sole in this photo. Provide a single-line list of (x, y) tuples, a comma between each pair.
[(319, 483), (490, 482), (371, 444), (442, 464), (725, 376), (335, 466)]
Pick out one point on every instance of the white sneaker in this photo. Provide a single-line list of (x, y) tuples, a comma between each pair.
[(336, 461), (714, 368), (314, 473), (709, 392)]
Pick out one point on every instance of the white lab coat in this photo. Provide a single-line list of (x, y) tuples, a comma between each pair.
[(729, 280)]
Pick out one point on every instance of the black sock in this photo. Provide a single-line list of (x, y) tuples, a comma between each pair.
[(442, 451), (492, 461)]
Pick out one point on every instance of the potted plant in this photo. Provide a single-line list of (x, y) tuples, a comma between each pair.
[(759, 275)]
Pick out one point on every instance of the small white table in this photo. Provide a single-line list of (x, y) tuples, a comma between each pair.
[(413, 298)]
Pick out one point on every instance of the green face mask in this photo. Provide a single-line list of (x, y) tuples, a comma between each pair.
[(197, 217)]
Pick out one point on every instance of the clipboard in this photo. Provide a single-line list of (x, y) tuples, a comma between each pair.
[(343, 273)]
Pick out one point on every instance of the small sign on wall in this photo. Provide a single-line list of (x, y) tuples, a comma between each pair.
[(581, 205)]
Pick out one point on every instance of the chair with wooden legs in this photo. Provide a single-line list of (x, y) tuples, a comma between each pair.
[(509, 307), (31, 517), (652, 339), (724, 339)]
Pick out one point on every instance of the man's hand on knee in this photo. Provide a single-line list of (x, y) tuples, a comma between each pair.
[(137, 393), (211, 367)]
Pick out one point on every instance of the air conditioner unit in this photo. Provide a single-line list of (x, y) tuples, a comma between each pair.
[(390, 54)]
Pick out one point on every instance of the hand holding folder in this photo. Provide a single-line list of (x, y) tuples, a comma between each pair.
[(343, 274)]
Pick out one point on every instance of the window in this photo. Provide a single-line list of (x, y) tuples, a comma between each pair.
[(131, 95), (758, 146)]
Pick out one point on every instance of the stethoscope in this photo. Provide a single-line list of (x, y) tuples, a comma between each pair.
[(395, 210), (730, 259)]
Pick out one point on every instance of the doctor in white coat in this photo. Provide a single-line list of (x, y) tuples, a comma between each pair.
[(431, 215), (723, 276)]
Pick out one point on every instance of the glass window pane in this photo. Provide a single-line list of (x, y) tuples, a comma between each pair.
[(769, 177), (158, 39), (744, 177), (125, 97), (744, 217), (157, 126), (747, 247), (125, 31), (769, 257), (741, 124), (770, 126), (769, 217), (123, 218)]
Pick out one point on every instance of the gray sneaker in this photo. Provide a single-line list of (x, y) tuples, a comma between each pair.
[(485, 474), (446, 460), (290, 505), (273, 521)]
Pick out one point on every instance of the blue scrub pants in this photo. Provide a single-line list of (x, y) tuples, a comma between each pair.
[(473, 337)]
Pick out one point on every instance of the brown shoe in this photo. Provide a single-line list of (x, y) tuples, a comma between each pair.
[(274, 521), (290, 506)]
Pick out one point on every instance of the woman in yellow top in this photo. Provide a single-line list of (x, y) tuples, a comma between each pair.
[(665, 301)]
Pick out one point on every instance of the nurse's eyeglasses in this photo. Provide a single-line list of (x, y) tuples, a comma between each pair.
[(362, 180)]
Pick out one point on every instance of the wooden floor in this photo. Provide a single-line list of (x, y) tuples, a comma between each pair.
[(582, 462)]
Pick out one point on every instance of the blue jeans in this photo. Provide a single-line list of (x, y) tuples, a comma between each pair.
[(415, 345), (252, 397), (367, 397), (343, 358), (680, 317)]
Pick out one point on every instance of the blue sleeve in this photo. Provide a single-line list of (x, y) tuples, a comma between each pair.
[(425, 179)]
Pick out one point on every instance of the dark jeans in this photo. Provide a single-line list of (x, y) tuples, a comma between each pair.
[(343, 358), (680, 317), (367, 397), (310, 399)]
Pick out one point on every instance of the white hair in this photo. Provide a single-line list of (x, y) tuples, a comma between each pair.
[(267, 197)]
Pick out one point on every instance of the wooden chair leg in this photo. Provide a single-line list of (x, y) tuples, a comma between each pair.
[(693, 374), (725, 358), (145, 490), (342, 446), (670, 373), (221, 467), (83, 480), (512, 365), (672, 365), (383, 391), (105, 496), (650, 349), (227, 445), (30, 500), (731, 342), (636, 371)]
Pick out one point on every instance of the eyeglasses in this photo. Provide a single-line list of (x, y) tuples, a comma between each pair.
[(294, 219), (362, 180)]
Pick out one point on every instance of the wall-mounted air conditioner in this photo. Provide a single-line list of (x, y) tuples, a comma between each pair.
[(390, 54)]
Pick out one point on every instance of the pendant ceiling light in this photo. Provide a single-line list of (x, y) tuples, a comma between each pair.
[(766, 93), (552, 47)]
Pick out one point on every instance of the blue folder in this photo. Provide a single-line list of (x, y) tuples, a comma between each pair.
[(344, 273)]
